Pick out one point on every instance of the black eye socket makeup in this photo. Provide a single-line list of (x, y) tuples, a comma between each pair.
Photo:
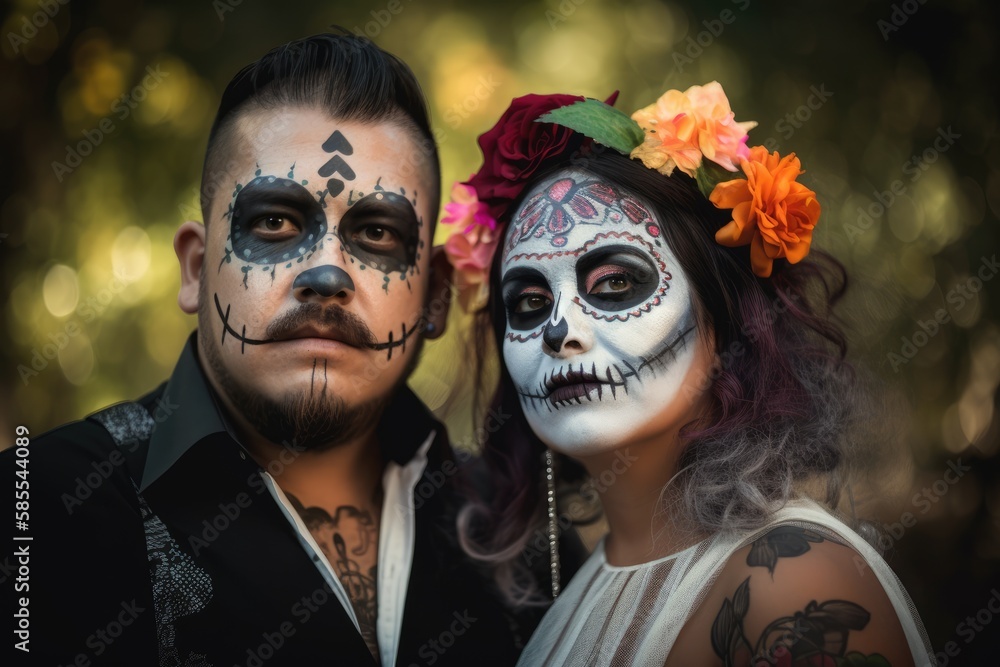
[(267, 197), (382, 231), (526, 297), (616, 277)]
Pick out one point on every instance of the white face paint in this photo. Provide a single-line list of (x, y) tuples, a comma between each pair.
[(600, 323)]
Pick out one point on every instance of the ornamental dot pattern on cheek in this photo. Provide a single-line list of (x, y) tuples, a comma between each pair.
[(274, 196), (604, 242)]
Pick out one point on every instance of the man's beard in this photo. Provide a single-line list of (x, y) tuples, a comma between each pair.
[(313, 419), (310, 420)]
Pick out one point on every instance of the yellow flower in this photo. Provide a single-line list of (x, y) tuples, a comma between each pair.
[(681, 128)]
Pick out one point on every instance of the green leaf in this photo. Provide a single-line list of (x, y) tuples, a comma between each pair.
[(709, 175), (599, 121)]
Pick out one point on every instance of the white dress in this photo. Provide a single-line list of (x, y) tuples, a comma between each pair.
[(631, 615)]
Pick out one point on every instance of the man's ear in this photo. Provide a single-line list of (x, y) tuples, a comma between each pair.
[(440, 292), (189, 244)]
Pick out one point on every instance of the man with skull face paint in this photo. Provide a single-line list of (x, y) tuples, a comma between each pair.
[(656, 321), (260, 506)]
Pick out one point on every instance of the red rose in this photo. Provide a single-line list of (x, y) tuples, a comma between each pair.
[(517, 147)]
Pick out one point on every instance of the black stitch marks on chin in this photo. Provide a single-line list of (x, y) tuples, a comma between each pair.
[(312, 381)]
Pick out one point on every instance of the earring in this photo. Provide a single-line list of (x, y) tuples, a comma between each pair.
[(429, 327), (550, 496)]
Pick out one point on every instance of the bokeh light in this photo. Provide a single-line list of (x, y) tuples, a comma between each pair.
[(105, 111)]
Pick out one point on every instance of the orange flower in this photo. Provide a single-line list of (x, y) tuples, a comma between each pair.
[(771, 211), (681, 128)]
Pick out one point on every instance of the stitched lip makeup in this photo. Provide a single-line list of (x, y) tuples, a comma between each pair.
[(570, 385)]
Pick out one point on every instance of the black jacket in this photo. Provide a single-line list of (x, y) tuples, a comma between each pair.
[(158, 495)]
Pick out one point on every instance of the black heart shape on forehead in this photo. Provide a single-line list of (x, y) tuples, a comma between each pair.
[(338, 143)]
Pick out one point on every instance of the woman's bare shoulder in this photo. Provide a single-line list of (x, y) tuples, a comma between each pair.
[(794, 596)]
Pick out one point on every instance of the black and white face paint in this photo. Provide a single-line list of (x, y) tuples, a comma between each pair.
[(600, 320), (276, 224), (312, 301)]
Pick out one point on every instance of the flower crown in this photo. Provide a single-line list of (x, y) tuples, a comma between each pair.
[(694, 131)]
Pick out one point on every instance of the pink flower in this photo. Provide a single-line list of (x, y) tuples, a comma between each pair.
[(683, 127), (466, 208), (471, 254), (470, 250)]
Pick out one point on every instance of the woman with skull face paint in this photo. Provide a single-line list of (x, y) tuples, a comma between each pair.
[(661, 333)]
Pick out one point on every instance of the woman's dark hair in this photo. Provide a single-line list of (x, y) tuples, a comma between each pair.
[(345, 75), (780, 399)]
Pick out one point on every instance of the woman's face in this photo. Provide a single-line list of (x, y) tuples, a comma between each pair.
[(600, 333)]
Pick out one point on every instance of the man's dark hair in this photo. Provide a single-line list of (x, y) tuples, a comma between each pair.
[(345, 75)]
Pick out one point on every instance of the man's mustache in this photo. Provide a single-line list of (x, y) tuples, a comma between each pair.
[(343, 325)]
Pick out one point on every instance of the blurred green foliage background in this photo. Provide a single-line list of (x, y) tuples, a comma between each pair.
[(105, 108)]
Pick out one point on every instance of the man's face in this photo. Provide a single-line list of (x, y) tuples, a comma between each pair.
[(601, 328), (315, 271)]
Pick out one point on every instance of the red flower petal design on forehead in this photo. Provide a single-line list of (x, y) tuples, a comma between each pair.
[(604, 193), (557, 209), (560, 189), (582, 208), (636, 212)]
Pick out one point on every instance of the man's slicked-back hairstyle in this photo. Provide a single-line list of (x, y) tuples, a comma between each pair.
[(346, 76)]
